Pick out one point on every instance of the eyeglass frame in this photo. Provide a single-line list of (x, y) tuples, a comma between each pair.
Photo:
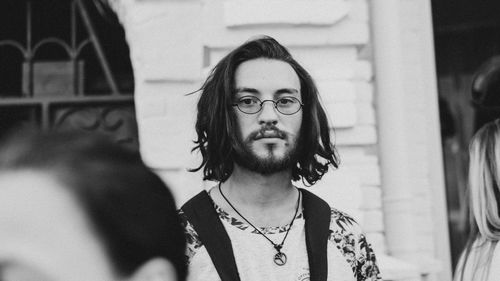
[(275, 103)]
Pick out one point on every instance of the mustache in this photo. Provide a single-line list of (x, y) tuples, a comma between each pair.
[(267, 131)]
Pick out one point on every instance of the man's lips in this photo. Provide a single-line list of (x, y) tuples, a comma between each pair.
[(269, 134)]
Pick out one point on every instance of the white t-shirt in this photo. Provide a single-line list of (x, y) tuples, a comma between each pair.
[(350, 257)]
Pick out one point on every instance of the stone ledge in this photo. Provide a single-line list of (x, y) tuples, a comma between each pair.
[(239, 13)]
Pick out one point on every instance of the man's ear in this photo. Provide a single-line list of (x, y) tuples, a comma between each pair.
[(157, 269)]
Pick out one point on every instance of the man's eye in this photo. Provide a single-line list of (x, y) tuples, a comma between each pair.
[(248, 101), (286, 101)]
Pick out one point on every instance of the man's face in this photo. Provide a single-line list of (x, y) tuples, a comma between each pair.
[(44, 234), (269, 138)]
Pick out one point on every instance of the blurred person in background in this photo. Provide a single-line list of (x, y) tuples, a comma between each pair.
[(480, 260), (75, 207)]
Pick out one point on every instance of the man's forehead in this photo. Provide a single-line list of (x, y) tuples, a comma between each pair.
[(268, 74)]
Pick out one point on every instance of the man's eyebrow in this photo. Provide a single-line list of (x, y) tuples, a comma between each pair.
[(246, 90), (287, 91)]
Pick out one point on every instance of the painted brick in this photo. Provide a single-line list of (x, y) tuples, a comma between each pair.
[(397, 270), (216, 54), (323, 62), (166, 142), (426, 242), (338, 71), (369, 173), (163, 143), (359, 10), (371, 197), (364, 91), (356, 155), (341, 114), (341, 189), (216, 34), (373, 221), (359, 135), (412, 14), (151, 107), (322, 56), (182, 184), (238, 13), (336, 91), (154, 34), (365, 52), (412, 40), (305, 55), (377, 241), (365, 114), (151, 99), (363, 70), (350, 155), (422, 223), (344, 33)]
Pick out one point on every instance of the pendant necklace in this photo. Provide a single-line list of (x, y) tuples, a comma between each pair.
[(280, 257)]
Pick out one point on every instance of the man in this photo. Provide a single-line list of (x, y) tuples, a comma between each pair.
[(79, 208), (260, 126)]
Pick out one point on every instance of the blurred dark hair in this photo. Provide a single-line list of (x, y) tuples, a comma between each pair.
[(130, 207), (485, 89), (486, 84), (216, 121)]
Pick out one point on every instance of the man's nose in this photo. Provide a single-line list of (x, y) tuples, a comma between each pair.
[(268, 113)]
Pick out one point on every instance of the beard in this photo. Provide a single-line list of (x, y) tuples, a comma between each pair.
[(246, 157)]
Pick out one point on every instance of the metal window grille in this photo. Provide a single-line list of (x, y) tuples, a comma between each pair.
[(58, 72)]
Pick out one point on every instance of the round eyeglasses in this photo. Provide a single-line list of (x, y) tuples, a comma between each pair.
[(284, 105)]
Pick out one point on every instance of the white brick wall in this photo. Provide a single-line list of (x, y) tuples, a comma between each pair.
[(238, 13)]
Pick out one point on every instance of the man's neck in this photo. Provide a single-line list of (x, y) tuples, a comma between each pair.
[(265, 200)]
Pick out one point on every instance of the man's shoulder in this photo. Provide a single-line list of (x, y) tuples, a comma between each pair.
[(342, 221), (193, 241), (348, 237)]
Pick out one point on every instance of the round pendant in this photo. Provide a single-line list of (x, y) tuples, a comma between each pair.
[(280, 258)]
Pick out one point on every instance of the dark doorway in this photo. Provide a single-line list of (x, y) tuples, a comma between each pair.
[(466, 34)]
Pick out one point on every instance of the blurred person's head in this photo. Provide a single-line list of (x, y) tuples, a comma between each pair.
[(79, 207), (227, 134), (483, 202)]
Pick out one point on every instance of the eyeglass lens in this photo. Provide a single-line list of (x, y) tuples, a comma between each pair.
[(284, 105)]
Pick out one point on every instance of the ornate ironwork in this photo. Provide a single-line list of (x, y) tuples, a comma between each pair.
[(46, 100), (116, 121)]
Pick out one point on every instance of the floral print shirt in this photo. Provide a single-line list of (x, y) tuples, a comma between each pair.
[(350, 256)]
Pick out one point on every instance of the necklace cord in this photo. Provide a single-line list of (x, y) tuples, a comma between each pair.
[(276, 246)]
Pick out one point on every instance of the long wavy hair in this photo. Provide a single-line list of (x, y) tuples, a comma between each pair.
[(483, 204), (216, 121)]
